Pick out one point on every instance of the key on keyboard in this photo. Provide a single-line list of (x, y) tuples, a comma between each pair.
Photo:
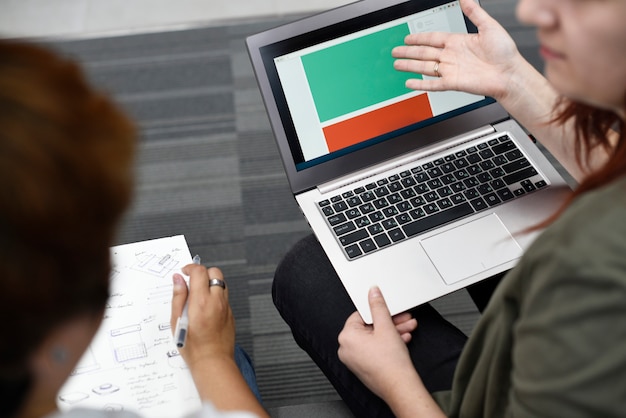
[(429, 195)]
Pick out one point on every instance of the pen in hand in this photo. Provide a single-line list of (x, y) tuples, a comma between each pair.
[(183, 321)]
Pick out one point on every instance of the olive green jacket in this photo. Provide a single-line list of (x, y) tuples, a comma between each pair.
[(552, 342)]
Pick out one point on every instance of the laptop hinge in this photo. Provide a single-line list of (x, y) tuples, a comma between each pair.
[(404, 159)]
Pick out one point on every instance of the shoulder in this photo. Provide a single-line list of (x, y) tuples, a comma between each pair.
[(588, 239), (579, 260), (596, 213)]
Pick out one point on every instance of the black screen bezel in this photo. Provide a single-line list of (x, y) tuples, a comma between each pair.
[(266, 46)]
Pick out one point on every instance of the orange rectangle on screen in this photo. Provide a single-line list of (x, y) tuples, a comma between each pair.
[(377, 122)]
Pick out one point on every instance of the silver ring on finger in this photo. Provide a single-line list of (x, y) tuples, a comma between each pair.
[(217, 282)]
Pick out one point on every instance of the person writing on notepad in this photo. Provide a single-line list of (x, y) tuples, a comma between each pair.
[(551, 341), (66, 173)]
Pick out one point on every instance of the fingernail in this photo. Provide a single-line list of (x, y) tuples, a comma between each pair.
[(375, 292), (178, 281)]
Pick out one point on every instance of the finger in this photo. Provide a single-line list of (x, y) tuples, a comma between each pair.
[(476, 14), (421, 52), (418, 67), (179, 297), (407, 327), (402, 317), (378, 307), (216, 273), (409, 66), (430, 84), (431, 39), (198, 278), (406, 337)]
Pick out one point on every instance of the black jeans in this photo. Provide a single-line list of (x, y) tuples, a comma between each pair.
[(311, 299)]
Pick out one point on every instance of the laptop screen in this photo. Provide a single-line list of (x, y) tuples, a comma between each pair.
[(334, 86)]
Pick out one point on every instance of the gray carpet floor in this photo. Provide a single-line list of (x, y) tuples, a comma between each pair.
[(208, 168)]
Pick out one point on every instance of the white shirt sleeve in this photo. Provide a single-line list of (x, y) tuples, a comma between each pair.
[(207, 411)]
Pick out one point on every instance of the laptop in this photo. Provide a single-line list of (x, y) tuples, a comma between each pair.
[(419, 193)]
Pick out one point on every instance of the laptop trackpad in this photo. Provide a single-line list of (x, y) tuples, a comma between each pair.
[(471, 248)]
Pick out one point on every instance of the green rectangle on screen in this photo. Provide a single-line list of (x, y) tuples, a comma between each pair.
[(357, 73)]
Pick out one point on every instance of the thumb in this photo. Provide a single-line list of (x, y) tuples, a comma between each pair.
[(475, 13), (379, 309), (179, 297)]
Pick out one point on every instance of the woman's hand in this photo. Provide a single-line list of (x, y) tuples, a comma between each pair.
[(488, 63), (479, 63), (377, 354), (210, 346), (211, 331)]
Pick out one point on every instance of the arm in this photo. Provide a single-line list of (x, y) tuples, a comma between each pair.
[(378, 355), (488, 63), (210, 345)]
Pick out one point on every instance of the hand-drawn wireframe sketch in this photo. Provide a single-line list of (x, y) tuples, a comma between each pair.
[(175, 360), (173, 353), (105, 389), (158, 265), (73, 397), (128, 344), (160, 295), (132, 362)]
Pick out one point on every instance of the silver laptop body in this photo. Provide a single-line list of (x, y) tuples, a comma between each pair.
[(327, 82)]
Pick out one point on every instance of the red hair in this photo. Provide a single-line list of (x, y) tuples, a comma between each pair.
[(66, 154), (593, 127)]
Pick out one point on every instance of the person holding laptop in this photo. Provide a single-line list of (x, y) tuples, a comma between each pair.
[(66, 168), (550, 342)]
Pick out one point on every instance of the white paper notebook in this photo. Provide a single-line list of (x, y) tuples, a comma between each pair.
[(132, 363)]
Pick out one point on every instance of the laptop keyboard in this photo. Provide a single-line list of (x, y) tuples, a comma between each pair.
[(413, 201)]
